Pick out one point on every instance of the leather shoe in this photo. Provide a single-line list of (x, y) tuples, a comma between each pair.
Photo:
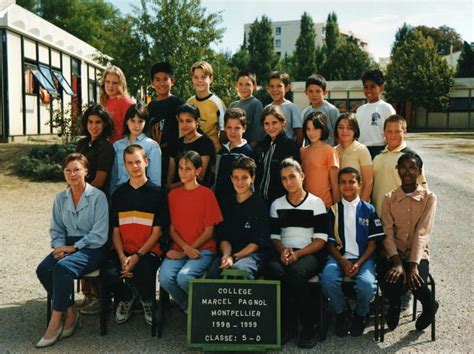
[(393, 316), (69, 332), (426, 317), (48, 342)]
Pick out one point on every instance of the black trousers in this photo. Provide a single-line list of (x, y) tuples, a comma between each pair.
[(296, 299), (395, 291), (144, 277)]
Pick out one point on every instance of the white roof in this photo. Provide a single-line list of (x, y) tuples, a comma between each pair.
[(19, 20)]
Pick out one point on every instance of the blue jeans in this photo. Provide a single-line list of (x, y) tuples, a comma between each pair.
[(251, 264), (175, 274), (57, 276), (365, 285)]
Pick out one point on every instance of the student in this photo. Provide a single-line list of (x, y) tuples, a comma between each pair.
[(319, 160), (246, 84), (114, 97), (353, 231), (298, 224), (194, 212), (372, 115), (244, 234), (139, 213), (134, 127), (211, 107), (162, 110), (235, 127), (191, 139), (352, 153), (278, 86), (315, 90), (406, 243), (386, 177), (271, 151)]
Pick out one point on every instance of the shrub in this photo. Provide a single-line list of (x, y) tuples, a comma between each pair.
[(44, 163)]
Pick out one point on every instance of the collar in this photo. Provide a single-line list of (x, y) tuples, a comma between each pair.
[(83, 202), (352, 147), (204, 98), (399, 148), (352, 204), (417, 194), (227, 146)]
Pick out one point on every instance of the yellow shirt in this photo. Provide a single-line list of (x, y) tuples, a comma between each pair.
[(212, 111), (355, 155), (386, 177)]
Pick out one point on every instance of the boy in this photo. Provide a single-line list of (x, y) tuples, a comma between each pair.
[(235, 127), (139, 214), (278, 86), (386, 177), (406, 243), (371, 116), (162, 111), (246, 84), (211, 107), (353, 232), (315, 90)]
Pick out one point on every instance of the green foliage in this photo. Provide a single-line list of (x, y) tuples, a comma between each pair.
[(67, 123), (45, 163), (305, 52), (417, 73), (466, 61), (263, 58), (332, 33), (224, 78), (241, 59)]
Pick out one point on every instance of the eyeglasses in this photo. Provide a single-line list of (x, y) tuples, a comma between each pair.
[(75, 171)]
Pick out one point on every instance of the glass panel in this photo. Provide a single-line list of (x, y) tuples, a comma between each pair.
[(340, 104), (42, 80), (62, 81), (459, 105)]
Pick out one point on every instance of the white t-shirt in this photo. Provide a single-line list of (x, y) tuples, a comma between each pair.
[(371, 117)]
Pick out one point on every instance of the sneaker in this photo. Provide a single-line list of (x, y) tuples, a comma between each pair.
[(307, 338), (393, 316), (147, 311), (84, 302), (341, 324), (93, 308), (124, 310), (357, 325), (424, 320)]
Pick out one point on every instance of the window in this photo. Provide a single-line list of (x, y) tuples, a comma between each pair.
[(279, 54), (31, 86), (354, 104), (460, 104), (278, 31), (278, 43), (93, 91), (63, 83), (341, 105)]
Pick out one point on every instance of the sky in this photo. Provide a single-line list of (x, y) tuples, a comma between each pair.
[(376, 21)]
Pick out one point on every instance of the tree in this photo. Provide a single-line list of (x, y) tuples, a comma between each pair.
[(263, 58), (305, 52), (466, 61), (444, 37), (417, 73), (241, 59), (332, 33)]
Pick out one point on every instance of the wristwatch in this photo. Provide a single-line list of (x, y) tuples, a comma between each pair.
[(140, 255)]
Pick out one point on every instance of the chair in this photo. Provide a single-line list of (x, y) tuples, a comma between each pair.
[(94, 277)]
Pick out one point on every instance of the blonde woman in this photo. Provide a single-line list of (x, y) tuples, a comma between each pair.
[(114, 97)]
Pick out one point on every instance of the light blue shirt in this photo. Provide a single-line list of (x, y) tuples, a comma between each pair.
[(331, 112), (89, 220), (153, 152), (293, 117)]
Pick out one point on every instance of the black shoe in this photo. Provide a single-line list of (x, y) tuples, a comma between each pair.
[(393, 316), (342, 325), (357, 325), (307, 338), (424, 320)]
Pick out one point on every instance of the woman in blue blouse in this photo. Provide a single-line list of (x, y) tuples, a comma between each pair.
[(135, 126), (79, 230)]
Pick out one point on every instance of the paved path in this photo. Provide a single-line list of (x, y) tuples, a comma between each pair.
[(25, 209)]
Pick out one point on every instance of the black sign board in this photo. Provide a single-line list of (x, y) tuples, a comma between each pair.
[(234, 314)]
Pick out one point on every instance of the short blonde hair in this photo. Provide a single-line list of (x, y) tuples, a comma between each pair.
[(396, 118), (115, 70), (204, 66)]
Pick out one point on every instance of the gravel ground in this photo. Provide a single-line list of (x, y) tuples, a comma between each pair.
[(25, 209)]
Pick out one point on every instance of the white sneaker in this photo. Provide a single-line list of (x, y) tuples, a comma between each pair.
[(147, 311), (93, 308), (124, 310)]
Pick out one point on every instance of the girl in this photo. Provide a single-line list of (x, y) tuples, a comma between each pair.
[(320, 161), (298, 223), (275, 147), (191, 139), (135, 125), (352, 153), (194, 212), (245, 233), (114, 97), (79, 230)]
